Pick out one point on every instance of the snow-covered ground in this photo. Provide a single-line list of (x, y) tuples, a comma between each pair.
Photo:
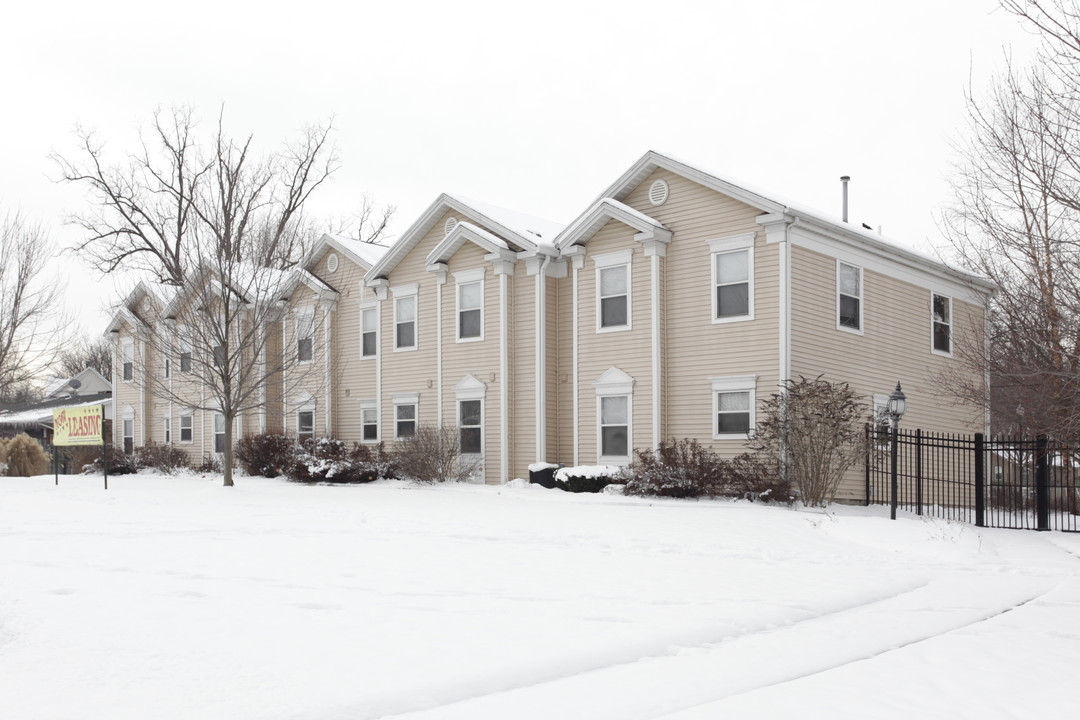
[(172, 597)]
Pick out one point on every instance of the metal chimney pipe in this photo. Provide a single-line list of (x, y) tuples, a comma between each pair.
[(844, 179)]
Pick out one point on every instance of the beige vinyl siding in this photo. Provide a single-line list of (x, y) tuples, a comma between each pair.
[(895, 346), (523, 372), (126, 394), (563, 431), (694, 348), (628, 350), (301, 378), (412, 371), (479, 358), (352, 377)]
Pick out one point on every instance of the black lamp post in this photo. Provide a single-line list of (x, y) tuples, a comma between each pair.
[(897, 407)]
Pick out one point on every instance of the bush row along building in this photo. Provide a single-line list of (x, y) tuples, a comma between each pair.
[(670, 308)]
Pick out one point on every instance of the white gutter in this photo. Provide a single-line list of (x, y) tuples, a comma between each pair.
[(574, 400)]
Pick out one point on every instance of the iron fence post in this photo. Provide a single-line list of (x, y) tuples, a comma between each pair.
[(918, 471), (1042, 489), (980, 482), (895, 442), (869, 446)]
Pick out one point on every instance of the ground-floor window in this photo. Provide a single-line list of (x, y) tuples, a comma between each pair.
[(733, 406), (615, 426), (471, 426), (168, 431), (129, 435), (187, 427), (219, 433), (369, 422), (305, 424), (404, 421)]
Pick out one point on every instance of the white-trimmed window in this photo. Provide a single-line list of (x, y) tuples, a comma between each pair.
[(219, 433), (305, 424), (305, 335), (734, 402), (405, 316), (471, 426), (614, 417), (127, 350), (849, 297), (219, 355), (185, 349), (369, 331), (613, 291), (187, 427), (369, 421), (406, 407), (167, 427), (470, 305), (129, 435), (941, 323), (732, 278)]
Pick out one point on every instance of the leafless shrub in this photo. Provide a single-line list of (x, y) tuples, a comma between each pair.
[(433, 454)]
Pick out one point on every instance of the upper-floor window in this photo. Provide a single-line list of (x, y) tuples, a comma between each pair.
[(470, 301), (305, 335), (849, 284), (219, 356), (405, 323), (185, 350), (732, 278), (168, 368), (128, 359), (941, 321), (613, 291), (369, 332)]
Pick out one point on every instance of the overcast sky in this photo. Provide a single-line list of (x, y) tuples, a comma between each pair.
[(536, 107)]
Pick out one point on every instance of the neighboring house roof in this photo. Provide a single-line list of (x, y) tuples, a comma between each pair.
[(362, 253), (830, 226), (88, 379), (42, 413), (519, 231)]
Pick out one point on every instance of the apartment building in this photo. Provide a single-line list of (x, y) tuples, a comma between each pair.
[(670, 307)]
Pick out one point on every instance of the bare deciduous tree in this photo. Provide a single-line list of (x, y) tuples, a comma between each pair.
[(29, 340), (815, 429), (369, 224), (222, 225), (96, 353), (1015, 218)]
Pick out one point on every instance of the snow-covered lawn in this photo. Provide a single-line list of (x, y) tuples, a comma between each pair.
[(172, 597)]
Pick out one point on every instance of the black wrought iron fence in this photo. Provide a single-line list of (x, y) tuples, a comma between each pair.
[(991, 482)]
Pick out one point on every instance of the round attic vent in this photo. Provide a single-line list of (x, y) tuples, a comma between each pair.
[(331, 262), (658, 192), (451, 223)]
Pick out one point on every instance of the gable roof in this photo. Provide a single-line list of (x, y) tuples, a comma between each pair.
[(516, 229), (364, 254), (589, 223), (56, 384), (463, 232), (824, 224)]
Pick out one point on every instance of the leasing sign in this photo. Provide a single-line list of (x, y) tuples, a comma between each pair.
[(78, 426)]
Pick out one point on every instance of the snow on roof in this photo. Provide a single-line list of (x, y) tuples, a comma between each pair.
[(525, 225), (772, 202), (43, 414), (55, 383), (369, 253)]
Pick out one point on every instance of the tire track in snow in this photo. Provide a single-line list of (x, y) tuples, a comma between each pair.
[(689, 677)]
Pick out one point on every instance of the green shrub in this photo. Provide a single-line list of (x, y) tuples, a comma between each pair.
[(23, 456)]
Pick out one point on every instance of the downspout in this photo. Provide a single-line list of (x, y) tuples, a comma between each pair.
[(328, 313), (785, 304), (541, 361), (142, 392), (504, 365), (438, 354), (656, 369), (574, 349)]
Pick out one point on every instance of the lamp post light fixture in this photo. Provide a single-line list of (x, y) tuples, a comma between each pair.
[(896, 409)]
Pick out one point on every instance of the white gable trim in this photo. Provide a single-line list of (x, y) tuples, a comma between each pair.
[(592, 220)]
